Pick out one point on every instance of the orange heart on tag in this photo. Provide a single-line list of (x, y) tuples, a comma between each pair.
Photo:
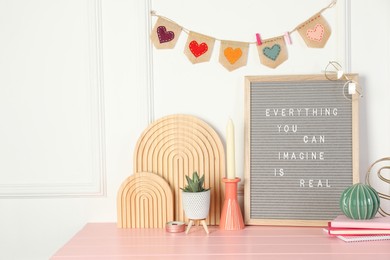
[(232, 55), (316, 34)]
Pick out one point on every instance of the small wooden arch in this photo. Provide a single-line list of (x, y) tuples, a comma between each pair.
[(144, 200)]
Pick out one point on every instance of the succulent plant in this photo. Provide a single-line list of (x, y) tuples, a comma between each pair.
[(195, 184)]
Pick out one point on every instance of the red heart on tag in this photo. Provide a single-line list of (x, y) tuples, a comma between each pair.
[(198, 49)]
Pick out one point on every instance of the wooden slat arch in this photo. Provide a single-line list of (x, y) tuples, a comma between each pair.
[(178, 145), (144, 200)]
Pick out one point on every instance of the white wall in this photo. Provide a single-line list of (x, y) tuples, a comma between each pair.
[(374, 67), (33, 225), (50, 65)]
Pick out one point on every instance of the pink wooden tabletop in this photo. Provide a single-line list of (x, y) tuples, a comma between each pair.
[(105, 241)]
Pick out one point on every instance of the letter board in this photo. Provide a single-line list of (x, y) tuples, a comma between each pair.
[(301, 148)]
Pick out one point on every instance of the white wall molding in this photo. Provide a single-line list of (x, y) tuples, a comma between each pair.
[(149, 59), (344, 34), (93, 184), (348, 44), (144, 57)]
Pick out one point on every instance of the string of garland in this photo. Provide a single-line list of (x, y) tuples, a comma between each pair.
[(272, 52)]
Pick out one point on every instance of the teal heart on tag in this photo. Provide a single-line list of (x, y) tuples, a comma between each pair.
[(272, 53)]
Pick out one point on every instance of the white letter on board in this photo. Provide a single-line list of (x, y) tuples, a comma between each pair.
[(267, 112)]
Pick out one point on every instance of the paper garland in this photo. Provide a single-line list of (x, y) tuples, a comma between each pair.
[(234, 54)]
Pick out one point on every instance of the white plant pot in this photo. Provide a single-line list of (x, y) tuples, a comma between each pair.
[(196, 205)]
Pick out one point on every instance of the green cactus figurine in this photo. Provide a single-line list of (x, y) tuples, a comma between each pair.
[(360, 201)]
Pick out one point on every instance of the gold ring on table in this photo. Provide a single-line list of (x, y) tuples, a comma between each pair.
[(175, 227)]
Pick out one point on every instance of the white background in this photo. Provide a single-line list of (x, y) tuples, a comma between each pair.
[(78, 84)]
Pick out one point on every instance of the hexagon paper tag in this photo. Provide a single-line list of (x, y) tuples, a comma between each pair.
[(233, 55), (315, 31), (165, 34), (199, 47), (273, 52)]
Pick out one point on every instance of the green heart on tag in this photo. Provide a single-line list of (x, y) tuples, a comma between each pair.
[(272, 53)]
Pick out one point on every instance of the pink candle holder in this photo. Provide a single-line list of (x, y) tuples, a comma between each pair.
[(231, 217)]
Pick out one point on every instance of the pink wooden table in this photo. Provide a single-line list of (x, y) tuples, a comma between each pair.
[(105, 241)]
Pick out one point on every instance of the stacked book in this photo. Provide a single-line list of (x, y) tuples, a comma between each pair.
[(350, 230)]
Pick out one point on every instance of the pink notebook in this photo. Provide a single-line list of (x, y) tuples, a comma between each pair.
[(357, 231), (363, 238), (359, 238), (345, 222)]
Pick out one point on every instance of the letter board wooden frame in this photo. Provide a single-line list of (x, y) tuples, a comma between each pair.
[(301, 148)]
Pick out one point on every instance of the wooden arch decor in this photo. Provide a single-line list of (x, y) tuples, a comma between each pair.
[(145, 200), (178, 145)]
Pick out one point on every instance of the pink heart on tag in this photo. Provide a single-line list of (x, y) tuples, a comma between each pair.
[(317, 33)]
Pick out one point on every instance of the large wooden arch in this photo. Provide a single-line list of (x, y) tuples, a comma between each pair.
[(178, 145), (144, 200)]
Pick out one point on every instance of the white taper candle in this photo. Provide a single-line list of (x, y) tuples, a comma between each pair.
[(230, 151)]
